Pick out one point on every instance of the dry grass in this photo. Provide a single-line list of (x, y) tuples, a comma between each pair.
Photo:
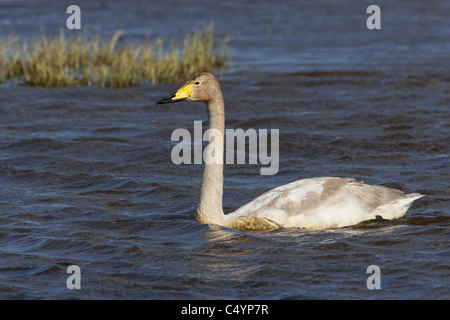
[(82, 61)]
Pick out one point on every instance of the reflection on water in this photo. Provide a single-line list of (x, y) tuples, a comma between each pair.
[(86, 176)]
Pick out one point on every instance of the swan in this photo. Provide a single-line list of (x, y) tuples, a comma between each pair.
[(314, 203)]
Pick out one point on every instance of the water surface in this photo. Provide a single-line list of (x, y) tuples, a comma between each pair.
[(86, 176)]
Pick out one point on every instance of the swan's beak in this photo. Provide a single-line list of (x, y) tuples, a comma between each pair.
[(182, 94)]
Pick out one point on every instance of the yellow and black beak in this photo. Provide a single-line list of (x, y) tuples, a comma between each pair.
[(182, 94)]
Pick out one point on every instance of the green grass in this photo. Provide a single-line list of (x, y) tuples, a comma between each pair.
[(92, 62)]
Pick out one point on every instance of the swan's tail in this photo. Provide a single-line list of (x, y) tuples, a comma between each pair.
[(396, 208)]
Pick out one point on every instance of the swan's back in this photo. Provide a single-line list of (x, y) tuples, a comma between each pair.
[(328, 202)]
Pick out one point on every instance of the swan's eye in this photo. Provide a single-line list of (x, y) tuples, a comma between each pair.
[(197, 83)]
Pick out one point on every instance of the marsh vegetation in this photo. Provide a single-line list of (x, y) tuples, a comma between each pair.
[(90, 61)]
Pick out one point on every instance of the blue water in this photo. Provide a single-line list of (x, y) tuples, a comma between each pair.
[(86, 176)]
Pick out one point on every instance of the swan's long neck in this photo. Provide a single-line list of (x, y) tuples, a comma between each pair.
[(210, 205)]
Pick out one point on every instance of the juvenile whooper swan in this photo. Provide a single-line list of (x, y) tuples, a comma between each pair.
[(315, 203)]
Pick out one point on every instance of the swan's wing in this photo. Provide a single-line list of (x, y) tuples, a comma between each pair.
[(328, 202)]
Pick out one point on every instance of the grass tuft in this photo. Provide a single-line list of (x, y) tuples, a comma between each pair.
[(92, 62)]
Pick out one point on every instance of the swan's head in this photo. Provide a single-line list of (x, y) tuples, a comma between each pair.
[(202, 87)]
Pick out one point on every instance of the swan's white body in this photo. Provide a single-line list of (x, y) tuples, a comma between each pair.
[(328, 202), (315, 203)]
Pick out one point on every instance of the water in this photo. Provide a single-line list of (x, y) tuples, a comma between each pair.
[(86, 176)]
